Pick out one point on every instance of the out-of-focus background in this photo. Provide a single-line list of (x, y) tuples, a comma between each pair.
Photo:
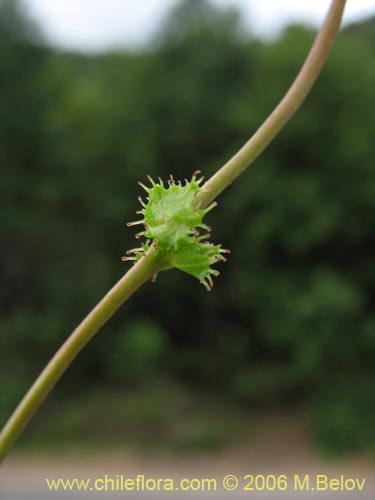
[(287, 335)]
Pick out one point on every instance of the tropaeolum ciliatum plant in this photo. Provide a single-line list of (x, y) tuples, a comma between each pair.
[(173, 230)]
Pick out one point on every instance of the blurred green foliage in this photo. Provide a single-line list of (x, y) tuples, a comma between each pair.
[(289, 323)]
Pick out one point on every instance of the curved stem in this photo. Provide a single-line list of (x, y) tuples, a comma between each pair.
[(283, 112), (128, 284), (148, 265)]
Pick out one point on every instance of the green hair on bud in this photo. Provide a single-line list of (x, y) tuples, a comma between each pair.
[(173, 223)]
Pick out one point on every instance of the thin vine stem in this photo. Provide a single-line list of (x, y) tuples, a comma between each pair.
[(145, 268), (137, 275), (283, 112)]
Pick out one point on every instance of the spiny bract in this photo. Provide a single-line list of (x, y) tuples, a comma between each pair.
[(171, 220)]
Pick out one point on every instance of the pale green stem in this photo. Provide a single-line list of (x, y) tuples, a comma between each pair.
[(283, 112), (147, 266), (128, 284)]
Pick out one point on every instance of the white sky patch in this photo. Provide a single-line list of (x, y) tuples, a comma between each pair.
[(264, 16), (95, 25)]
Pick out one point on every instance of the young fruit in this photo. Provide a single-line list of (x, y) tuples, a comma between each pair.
[(172, 224)]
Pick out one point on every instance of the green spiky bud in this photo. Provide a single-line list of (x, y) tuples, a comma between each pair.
[(172, 222)]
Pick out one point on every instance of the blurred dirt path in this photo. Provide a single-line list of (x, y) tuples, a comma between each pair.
[(280, 448)]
